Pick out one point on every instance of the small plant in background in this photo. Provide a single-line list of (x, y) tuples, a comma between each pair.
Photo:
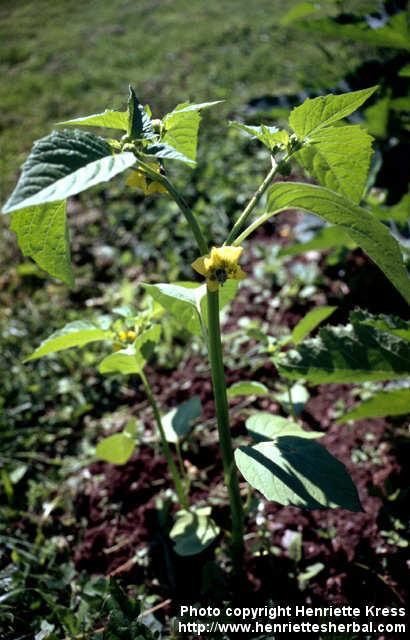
[(284, 462)]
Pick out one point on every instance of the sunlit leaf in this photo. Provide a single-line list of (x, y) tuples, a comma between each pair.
[(178, 422), (42, 234), (74, 334), (193, 531), (384, 403), (116, 449)]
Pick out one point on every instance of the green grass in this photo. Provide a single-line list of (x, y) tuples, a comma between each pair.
[(61, 58)]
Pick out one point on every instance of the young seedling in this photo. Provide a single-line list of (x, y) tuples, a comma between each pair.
[(285, 463)]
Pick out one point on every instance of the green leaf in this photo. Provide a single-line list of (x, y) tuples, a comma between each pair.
[(42, 234), (186, 301), (64, 164), (74, 334), (166, 152), (116, 449), (178, 422), (326, 238), (139, 122), (247, 388), (265, 426), (181, 128), (310, 321), (316, 113), (299, 472), (391, 324), (358, 223), (132, 359), (339, 158), (193, 531), (109, 118), (384, 403), (182, 300), (269, 136), (405, 71), (355, 353)]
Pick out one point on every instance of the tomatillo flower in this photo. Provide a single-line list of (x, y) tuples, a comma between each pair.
[(220, 265)]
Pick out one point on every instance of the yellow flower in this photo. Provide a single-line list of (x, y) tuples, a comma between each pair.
[(220, 265)]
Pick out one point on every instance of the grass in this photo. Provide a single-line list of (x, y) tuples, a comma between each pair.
[(65, 58)]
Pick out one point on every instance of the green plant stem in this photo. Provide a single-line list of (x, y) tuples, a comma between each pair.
[(251, 204), (291, 405), (182, 204), (222, 414), (179, 487)]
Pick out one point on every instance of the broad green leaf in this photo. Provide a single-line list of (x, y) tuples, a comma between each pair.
[(42, 234), (265, 426), (384, 403), (116, 449), (317, 113), (193, 532), (109, 118), (339, 158), (269, 136), (139, 122), (63, 164), (310, 321), (178, 422), (299, 472), (247, 388), (186, 301), (300, 10), (326, 238), (371, 235), (181, 130), (181, 300), (165, 151), (355, 353), (74, 334), (132, 359)]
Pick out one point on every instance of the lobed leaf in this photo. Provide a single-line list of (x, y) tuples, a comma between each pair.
[(299, 472), (269, 136), (42, 234), (74, 334), (317, 113), (339, 158), (165, 151), (64, 164)]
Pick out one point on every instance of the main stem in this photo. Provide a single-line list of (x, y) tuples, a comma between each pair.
[(179, 487), (222, 414)]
